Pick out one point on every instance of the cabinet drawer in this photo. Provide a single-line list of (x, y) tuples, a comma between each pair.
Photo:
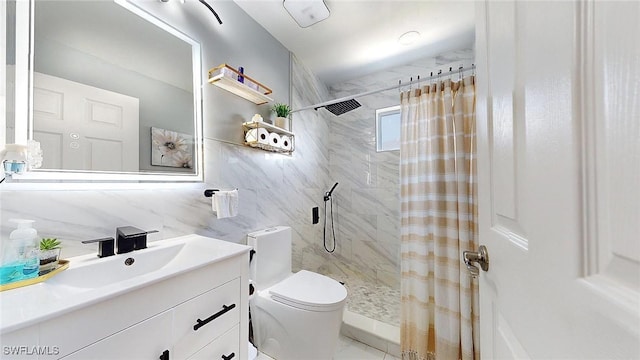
[(226, 347), (218, 311), (146, 340)]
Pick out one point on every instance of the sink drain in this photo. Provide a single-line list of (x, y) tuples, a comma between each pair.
[(129, 261)]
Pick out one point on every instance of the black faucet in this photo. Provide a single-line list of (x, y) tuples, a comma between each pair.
[(105, 246), (129, 238)]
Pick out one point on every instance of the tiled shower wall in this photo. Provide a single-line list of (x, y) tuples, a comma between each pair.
[(366, 201)]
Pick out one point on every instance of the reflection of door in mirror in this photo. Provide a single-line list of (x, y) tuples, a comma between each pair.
[(82, 127)]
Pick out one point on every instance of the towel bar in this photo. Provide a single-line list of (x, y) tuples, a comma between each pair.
[(210, 192)]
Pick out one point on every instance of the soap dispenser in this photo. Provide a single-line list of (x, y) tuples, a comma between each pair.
[(24, 241), (11, 264)]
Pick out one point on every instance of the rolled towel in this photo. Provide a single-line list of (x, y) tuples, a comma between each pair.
[(225, 203)]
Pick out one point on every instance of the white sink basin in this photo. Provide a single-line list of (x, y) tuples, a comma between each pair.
[(94, 273), (89, 278)]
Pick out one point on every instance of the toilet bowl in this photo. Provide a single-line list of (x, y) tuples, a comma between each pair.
[(294, 315)]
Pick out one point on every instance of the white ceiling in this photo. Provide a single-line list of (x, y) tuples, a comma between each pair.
[(361, 36)]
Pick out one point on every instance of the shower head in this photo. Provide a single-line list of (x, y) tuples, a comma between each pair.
[(333, 188), (341, 107)]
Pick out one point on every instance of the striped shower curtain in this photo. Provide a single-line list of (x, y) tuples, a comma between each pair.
[(438, 221)]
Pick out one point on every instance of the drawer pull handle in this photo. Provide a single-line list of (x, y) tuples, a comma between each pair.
[(201, 323), (228, 357), (165, 355)]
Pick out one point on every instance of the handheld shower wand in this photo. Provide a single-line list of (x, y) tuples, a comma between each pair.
[(327, 197)]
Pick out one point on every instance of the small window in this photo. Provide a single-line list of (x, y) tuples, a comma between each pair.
[(388, 128)]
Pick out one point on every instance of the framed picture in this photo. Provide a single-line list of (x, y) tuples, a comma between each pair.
[(171, 148)]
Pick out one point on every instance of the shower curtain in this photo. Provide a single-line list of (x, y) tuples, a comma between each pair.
[(438, 221)]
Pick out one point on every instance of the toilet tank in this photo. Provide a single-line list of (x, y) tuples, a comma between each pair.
[(272, 260)]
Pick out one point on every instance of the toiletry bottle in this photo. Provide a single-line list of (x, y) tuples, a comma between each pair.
[(25, 240), (14, 158), (240, 77), (11, 263)]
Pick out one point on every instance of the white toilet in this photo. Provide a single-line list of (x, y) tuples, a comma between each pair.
[(294, 316)]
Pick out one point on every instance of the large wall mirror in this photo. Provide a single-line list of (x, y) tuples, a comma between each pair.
[(115, 93)]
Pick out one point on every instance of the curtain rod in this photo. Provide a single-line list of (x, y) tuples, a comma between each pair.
[(460, 70)]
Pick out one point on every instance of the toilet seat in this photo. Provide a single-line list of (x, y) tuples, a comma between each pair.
[(309, 291)]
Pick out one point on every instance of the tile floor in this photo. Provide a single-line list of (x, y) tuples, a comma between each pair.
[(349, 349), (378, 302)]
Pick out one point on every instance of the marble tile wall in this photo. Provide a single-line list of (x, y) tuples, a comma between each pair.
[(274, 190), (367, 199)]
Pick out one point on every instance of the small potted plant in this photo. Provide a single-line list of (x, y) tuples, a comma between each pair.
[(49, 254), (282, 112)]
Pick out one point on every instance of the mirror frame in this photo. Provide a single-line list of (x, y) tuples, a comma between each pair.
[(24, 104)]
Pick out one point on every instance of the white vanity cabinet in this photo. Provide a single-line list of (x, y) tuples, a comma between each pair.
[(196, 314), (171, 334)]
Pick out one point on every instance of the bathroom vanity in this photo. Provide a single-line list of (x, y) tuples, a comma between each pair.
[(181, 298)]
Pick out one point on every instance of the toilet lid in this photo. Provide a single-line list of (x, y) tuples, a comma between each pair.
[(310, 291)]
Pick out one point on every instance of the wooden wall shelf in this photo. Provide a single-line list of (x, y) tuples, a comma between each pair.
[(226, 77)]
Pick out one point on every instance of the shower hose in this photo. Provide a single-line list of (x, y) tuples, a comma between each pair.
[(324, 228)]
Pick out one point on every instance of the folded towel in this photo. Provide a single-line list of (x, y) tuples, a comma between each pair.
[(225, 203)]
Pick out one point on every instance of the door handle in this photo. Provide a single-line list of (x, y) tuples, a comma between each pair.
[(481, 257)]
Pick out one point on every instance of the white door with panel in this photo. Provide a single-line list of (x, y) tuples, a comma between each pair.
[(82, 127), (558, 116)]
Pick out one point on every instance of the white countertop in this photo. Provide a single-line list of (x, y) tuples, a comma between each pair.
[(90, 279)]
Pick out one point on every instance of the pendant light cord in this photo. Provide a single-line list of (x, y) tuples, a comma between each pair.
[(213, 11)]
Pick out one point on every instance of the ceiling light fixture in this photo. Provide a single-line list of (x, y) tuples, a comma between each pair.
[(306, 12), (409, 37)]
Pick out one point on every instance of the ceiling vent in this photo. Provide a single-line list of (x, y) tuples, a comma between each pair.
[(306, 12)]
